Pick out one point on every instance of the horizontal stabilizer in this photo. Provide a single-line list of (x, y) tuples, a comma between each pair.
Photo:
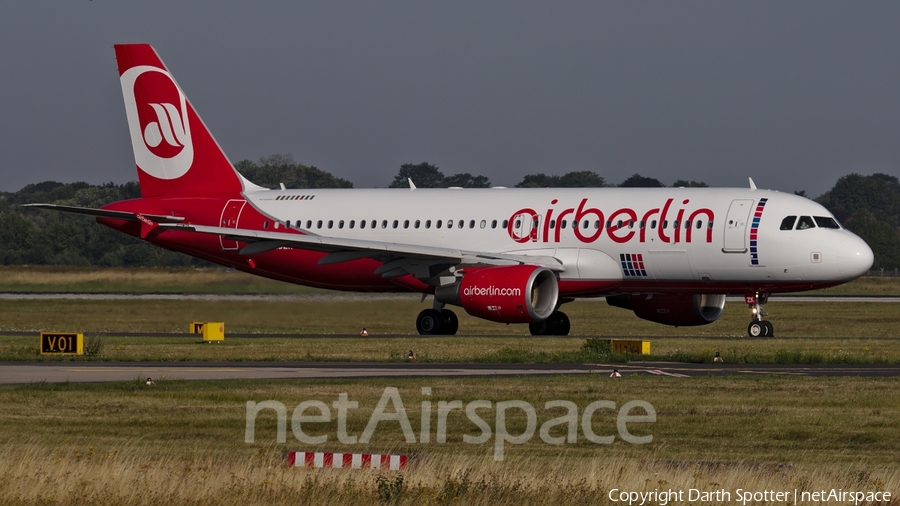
[(106, 213)]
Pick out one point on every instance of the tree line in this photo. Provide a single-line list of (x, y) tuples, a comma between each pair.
[(867, 205)]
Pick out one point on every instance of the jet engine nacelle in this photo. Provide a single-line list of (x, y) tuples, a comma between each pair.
[(680, 310), (506, 294)]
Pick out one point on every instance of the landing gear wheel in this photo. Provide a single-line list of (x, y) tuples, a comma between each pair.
[(540, 328), (560, 324), (756, 329), (450, 323), (429, 322), (557, 324)]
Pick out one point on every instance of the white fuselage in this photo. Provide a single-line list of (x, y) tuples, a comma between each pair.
[(691, 236)]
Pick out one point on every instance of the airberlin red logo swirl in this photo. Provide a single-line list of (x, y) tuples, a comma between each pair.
[(162, 124), (158, 121), (588, 224)]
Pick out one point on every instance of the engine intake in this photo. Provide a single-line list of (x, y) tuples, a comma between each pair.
[(679, 310), (506, 294)]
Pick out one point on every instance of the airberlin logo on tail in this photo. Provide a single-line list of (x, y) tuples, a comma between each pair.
[(168, 126), (667, 223), (158, 121)]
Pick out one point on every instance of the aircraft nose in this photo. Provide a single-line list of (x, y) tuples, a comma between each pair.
[(855, 257)]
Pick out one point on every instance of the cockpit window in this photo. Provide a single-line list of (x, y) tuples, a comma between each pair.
[(805, 222), (788, 223), (826, 222)]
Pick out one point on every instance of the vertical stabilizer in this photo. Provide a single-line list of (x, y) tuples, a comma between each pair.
[(174, 152)]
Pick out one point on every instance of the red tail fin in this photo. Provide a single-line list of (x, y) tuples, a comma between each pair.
[(174, 152)]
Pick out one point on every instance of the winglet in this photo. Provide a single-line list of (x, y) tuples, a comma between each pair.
[(412, 186), (752, 184)]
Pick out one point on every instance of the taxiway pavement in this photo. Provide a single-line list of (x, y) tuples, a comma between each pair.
[(88, 372)]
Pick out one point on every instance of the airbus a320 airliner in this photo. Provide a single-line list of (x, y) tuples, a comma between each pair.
[(506, 255)]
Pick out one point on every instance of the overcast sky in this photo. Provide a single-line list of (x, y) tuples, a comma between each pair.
[(794, 94)]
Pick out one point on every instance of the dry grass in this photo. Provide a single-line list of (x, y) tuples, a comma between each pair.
[(34, 476), (182, 442)]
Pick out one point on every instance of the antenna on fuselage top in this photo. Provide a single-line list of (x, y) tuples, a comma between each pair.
[(752, 184), (282, 186), (412, 186)]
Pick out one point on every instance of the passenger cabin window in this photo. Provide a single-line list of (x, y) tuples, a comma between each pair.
[(383, 223), (805, 222), (826, 222), (461, 224), (494, 224), (319, 224), (505, 223), (362, 223), (352, 223), (788, 223), (341, 224), (308, 223), (374, 223), (394, 225), (438, 224), (330, 223)]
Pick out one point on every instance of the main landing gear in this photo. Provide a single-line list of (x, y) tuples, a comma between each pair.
[(557, 324), (437, 322), (759, 327)]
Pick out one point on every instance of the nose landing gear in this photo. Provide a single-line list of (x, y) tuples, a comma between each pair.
[(758, 327)]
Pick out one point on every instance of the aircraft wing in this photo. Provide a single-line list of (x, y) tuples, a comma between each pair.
[(422, 262)]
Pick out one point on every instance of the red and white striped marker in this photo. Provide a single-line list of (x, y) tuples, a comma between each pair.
[(347, 460)]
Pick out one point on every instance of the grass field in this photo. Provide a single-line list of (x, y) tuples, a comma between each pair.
[(808, 332), (183, 442), (25, 279)]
